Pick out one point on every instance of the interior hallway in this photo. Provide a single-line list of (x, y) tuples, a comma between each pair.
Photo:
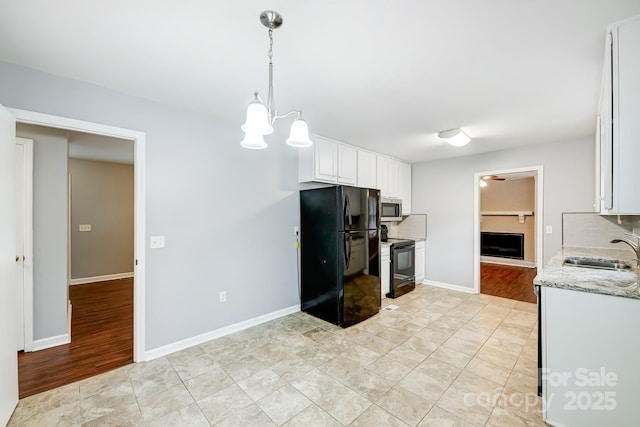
[(508, 281), (101, 339)]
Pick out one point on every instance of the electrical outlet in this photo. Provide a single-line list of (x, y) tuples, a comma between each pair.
[(156, 242), (84, 227), (296, 231), (548, 229), (223, 296)]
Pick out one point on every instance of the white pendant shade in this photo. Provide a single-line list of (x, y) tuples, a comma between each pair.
[(299, 136), (257, 119), (253, 141), (455, 137)]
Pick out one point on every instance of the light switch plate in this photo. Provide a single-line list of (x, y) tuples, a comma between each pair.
[(157, 242), (84, 227), (548, 229)]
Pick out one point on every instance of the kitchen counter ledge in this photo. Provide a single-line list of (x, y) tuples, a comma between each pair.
[(606, 282)]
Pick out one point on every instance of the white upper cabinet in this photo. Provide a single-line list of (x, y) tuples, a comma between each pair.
[(618, 135), (387, 176), (367, 169), (335, 162), (347, 164), (328, 161), (404, 186)]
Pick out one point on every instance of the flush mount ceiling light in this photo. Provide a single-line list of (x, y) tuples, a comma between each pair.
[(455, 137), (260, 118)]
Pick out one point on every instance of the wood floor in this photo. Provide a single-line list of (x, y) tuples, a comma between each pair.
[(101, 339), (507, 281)]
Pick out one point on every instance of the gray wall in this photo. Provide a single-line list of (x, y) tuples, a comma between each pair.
[(444, 190), (101, 195), (227, 213), (50, 294)]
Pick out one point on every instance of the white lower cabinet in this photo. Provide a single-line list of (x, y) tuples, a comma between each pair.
[(590, 357), (420, 262), (385, 270)]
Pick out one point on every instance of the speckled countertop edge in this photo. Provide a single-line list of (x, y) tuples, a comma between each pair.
[(606, 282)]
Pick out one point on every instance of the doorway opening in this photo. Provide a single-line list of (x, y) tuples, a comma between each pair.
[(508, 232), (133, 280)]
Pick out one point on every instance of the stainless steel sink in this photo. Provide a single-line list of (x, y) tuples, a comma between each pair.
[(600, 263)]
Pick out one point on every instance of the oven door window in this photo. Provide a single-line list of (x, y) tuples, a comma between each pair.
[(404, 263)]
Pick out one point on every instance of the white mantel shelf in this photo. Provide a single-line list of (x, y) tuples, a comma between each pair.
[(507, 213), (519, 214)]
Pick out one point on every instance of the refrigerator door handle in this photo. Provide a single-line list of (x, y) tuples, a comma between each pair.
[(348, 252), (347, 212)]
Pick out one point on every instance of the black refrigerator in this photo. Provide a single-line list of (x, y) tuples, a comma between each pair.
[(340, 253)]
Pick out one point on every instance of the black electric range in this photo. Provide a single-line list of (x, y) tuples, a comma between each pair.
[(403, 267)]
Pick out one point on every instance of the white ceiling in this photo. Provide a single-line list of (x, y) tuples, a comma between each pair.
[(378, 74)]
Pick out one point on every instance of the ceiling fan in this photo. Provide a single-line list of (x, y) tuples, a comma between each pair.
[(492, 178), (484, 179)]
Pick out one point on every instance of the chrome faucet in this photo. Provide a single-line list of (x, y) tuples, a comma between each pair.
[(634, 245)]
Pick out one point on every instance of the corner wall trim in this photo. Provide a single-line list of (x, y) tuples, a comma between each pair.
[(217, 333), (51, 342), (105, 278), (448, 286)]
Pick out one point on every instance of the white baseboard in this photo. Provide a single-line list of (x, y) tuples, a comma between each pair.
[(208, 336), (51, 342), (83, 280), (448, 286), (507, 261)]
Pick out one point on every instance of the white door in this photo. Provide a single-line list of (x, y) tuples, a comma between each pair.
[(8, 355), (20, 216)]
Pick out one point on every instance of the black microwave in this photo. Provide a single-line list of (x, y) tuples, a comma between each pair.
[(390, 209)]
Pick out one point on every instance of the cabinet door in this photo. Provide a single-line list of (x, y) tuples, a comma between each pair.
[(326, 160), (367, 169), (392, 177), (420, 262), (404, 187), (385, 275), (347, 164), (626, 109), (382, 173)]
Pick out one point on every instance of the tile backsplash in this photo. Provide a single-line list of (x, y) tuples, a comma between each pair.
[(595, 231), (411, 227)]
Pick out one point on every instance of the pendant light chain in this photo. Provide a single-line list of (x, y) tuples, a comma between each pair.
[(271, 103), (261, 117), (270, 52)]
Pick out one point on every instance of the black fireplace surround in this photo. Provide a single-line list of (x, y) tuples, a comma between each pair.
[(502, 245)]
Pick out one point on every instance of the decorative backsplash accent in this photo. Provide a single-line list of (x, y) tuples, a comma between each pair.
[(595, 231)]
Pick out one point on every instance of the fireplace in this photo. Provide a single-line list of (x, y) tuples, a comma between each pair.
[(502, 245)]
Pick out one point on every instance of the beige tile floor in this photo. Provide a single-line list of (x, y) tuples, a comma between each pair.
[(443, 358)]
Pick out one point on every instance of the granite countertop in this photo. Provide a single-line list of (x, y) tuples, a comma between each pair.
[(607, 282)]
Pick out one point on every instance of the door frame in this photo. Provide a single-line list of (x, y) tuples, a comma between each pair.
[(539, 216), (138, 138), (27, 302)]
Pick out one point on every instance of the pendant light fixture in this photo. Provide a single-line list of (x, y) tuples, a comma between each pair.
[(260, 117), (455, 137)]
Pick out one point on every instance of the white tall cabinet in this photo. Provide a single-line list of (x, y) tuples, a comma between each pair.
[(618, 135)]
